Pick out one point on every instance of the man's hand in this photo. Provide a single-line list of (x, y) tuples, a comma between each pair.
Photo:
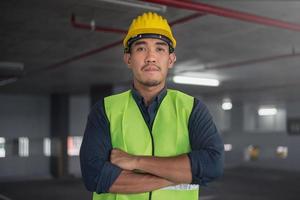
[(123, 159), (175, 169), (131, 182)]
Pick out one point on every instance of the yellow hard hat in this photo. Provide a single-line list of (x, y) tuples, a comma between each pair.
[(149, 25)]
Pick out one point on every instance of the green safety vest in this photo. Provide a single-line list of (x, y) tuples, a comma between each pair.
[(169, 137)]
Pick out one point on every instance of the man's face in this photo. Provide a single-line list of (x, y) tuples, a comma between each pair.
[(149, 60)]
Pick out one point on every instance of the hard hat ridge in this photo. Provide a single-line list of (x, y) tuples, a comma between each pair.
[(149, 25)]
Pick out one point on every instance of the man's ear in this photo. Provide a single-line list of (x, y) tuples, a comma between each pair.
[(172, 60), (126, 59)]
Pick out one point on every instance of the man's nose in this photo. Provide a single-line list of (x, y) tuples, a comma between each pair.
[(150, 57)]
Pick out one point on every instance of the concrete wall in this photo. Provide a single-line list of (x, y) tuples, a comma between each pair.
[(29, 116), (20, 116), (247, 128), (79, 110)]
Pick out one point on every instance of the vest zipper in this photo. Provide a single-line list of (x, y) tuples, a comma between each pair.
[(150, 126), (152, 142)]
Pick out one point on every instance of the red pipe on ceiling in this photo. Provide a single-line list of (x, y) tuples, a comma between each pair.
[(254, 61), (245, 62), (187, 18), (229, 13), (94, 27), (105, 47), (77, 57), (113, 30)]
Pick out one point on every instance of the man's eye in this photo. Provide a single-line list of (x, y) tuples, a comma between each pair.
[(160, 49), (140, 49)]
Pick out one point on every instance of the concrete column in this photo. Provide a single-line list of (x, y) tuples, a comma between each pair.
[(59, 134), (97, 92), (237, 117)]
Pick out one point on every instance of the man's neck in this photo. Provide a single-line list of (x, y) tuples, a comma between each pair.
[(148, 93)]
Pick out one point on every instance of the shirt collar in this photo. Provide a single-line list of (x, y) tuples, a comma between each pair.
[(158, 98)]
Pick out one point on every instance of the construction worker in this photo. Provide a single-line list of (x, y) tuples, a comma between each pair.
[(150, 142)]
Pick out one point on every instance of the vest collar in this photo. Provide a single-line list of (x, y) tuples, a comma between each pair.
[(158, 98)]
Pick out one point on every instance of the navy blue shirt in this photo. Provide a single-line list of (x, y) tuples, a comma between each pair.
[(206, 156)]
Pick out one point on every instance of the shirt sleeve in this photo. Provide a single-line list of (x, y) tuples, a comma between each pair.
[(97, 172), (207, 152)]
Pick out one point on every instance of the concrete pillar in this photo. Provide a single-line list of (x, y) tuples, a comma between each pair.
[(237, 117), (97, 92), (59, 134)]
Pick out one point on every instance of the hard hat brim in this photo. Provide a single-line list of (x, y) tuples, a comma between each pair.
[(136, 32), (149, 35)]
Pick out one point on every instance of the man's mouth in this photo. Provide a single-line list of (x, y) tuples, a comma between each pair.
[(151, 68)]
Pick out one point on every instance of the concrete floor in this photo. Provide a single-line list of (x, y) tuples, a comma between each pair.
[(254, 184), (237, 184)]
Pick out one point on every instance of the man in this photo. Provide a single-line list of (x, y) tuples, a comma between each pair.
[(150, 142)]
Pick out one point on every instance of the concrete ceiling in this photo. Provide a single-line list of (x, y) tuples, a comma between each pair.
[(248, 58)]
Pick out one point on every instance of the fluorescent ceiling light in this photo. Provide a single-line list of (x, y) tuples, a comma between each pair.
[(138, 4), (196, 81), (226, 104), (10, 72), (227, 147), (8, 69), (7, 81), (267, 111)]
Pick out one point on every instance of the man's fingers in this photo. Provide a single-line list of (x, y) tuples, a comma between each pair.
[(116, 155), (116, 152), (122, 159)]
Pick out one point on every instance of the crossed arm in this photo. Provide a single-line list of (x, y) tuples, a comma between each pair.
[(103, 174), (158, 172)]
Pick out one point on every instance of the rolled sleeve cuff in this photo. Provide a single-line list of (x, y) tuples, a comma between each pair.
[(109, 174), (196, 169)]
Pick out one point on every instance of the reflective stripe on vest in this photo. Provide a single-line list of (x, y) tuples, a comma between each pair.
[(169, 137), (182, 187)]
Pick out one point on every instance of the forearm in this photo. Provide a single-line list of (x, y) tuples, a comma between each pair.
[(176, 169), (129, 182)]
